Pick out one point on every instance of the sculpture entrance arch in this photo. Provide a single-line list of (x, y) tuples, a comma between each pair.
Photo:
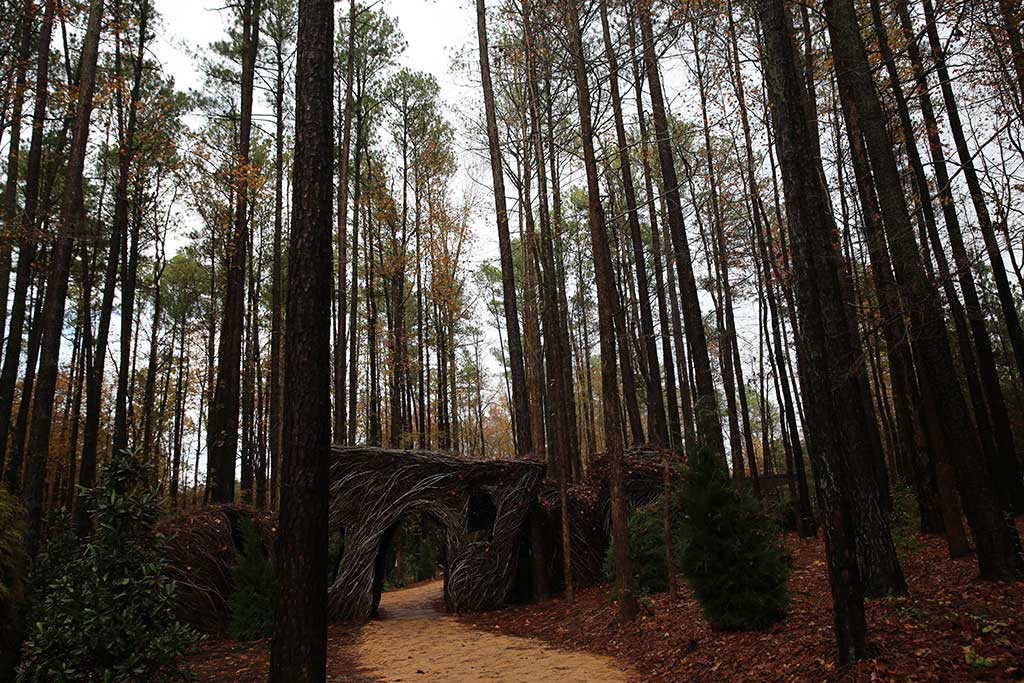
[(481, 505)]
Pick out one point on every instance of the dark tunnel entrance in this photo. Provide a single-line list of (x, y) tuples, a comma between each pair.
[(411, 551)]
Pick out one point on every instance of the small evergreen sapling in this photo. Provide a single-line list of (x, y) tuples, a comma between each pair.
[(647, 547), (732, 554), (252, 599)]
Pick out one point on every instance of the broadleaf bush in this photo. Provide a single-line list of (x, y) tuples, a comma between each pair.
[(12, 574), (105, 613)]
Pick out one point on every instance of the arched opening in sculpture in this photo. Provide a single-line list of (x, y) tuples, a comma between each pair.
[(480, 506), (411, 550)]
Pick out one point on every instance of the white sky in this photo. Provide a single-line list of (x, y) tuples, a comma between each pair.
[(434, 30)]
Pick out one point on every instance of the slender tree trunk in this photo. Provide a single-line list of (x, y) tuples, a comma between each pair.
[(353, 338), (657, 427), (179, 410), (706, 412), (628, 606), (996, 538), (970, 174), (23, 41), (983, 379), (276, 282), (85, 361), (71, 217), (222, 423), (524, 430), (343, 159), (154, 345), (15, 465), (827, 346), (1010, 484), (28, 244), (126, 142), (626, 373), (299, 648)]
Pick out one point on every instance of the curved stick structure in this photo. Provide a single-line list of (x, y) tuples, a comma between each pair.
[(372, 489)]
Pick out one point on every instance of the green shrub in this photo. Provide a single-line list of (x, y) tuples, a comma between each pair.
[(12, 568), (12, 555), (904, 520), (783, 511), (647, 547), (415, 551), (251, 602), (731, 553), (106, 614)]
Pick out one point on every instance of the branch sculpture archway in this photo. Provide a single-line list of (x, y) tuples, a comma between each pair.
[(372, 489)]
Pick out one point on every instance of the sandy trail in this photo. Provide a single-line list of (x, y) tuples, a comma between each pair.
[(413, 641)]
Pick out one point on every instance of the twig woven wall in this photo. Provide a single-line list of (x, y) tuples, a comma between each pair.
[(372, 489)]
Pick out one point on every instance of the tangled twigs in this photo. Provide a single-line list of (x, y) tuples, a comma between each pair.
[(201, 548), (372, 489)]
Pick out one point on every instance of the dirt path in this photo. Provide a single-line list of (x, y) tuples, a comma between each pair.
[(415, 642)]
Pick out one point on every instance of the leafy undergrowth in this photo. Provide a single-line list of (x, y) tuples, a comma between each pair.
[(233, 661), (948, 628)]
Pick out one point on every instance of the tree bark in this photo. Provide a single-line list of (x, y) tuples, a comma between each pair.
[(707, 417), (827, 345), (23, 40), (52, 321), (343, 160), (657, 424), (524, 429), (628, 606), (298, 651), (222, 423), (998, 544), (29, 239)]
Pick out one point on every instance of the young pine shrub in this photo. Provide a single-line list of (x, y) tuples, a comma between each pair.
[(731, 552), (106, 614), (647, 547), (251, 603)]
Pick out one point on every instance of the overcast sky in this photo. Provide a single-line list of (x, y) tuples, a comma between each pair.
[(435, 30)]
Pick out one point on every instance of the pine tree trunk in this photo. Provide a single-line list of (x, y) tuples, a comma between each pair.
[(150, 389), (1011, 486), (706, 413), (276, 283), (657, 426), (827, 344), (998, 544), (353, 337), (524, 428), (343, 160), (52, 315), (28, 244), (15, 465), (23, 40), (222, 423), (299, 647), (628, 606)]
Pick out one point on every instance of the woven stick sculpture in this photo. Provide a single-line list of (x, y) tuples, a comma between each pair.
[(372, 489)]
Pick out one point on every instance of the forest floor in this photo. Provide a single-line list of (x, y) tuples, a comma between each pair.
[(413, 640), (949, 627)]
